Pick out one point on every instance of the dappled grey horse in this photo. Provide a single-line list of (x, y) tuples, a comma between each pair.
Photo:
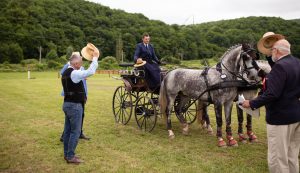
[(215, 85), (249, 93)]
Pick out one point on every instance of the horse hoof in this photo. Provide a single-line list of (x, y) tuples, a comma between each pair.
[(252, 137), (185, 129), (186, 133), (221, 143), (171, 136), (210, 132), (242, 138), (243, 141), (232, 142), (204, 125), (253, 140)]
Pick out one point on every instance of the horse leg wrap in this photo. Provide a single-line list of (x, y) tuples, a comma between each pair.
[(231, 142), (209, 130), (252, 136), (204, 125), (242, 138), (221, 142), (185, 129), (171, 134)]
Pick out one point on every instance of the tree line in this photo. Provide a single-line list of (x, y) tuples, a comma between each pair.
[(60, 25)]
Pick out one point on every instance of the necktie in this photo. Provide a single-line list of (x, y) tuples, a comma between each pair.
[(148, 49)]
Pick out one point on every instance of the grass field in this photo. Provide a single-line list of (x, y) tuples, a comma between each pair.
[(31, 122)]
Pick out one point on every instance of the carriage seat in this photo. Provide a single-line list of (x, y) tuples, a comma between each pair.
[(136, 78)]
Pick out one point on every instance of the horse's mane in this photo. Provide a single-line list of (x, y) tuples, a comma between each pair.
[(229, 50)]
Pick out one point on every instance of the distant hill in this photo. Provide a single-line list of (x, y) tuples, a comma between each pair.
[(59, 24), (296, 20)]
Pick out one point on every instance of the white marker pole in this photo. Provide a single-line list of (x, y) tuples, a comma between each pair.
[(28, 74)]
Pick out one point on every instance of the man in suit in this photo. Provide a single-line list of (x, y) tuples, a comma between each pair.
[(282, 101), (145, 52)]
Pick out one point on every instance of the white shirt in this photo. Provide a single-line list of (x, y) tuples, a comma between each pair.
[(78, 75)]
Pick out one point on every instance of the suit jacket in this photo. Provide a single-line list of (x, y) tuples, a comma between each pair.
[(146, 54), (282, 95)]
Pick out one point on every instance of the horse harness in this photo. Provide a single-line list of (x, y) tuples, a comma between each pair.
[(242, 85)]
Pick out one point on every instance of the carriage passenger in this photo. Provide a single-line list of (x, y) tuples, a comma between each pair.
[(145, 52)]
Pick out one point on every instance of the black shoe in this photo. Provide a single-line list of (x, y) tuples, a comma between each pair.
[(82, 136)]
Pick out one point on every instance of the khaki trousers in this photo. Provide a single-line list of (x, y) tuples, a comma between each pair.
[(283, 148)]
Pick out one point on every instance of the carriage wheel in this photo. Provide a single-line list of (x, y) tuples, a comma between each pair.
[(189, 113), (122, 105), (145, 113)]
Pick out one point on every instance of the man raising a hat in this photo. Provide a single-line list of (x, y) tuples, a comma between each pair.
[(144, 55), (82, 135), (282, 101), (74, 97)]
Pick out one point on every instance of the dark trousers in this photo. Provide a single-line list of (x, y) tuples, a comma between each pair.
[(152, 75), (83, 105)]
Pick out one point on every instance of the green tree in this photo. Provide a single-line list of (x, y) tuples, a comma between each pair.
[(108, 63), (4, 53), (52, 55), (69, 52), (15, 53)]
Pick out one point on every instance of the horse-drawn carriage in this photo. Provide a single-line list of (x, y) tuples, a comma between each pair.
[(135, 97), (186, 92)]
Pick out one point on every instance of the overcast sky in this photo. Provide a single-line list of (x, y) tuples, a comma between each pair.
[(185, 12)]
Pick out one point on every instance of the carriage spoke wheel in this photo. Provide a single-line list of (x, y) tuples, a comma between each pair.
[(189, 112), (145, 114), (122, 105)]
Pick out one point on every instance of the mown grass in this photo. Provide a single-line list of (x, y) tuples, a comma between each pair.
[(31, 122)]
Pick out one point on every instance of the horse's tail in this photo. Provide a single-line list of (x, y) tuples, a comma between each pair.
[(163, 98)]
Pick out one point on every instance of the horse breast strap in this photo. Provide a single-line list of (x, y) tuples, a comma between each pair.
[(219, 69)]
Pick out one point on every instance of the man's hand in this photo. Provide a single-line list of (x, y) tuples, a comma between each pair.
[(246, 104), (139, 61), (96, 53)]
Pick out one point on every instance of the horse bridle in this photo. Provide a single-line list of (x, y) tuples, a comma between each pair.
[(244, 55), (246, 69)]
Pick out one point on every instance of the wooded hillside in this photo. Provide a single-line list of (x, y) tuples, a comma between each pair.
[(56, 25)]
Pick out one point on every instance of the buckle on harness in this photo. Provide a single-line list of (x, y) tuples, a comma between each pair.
[(223, 76)]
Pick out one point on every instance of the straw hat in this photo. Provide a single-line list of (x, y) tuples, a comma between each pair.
[(87, 51), (139, 64), (267, 41)]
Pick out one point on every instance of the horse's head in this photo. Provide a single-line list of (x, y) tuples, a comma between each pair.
[(247, 63)]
